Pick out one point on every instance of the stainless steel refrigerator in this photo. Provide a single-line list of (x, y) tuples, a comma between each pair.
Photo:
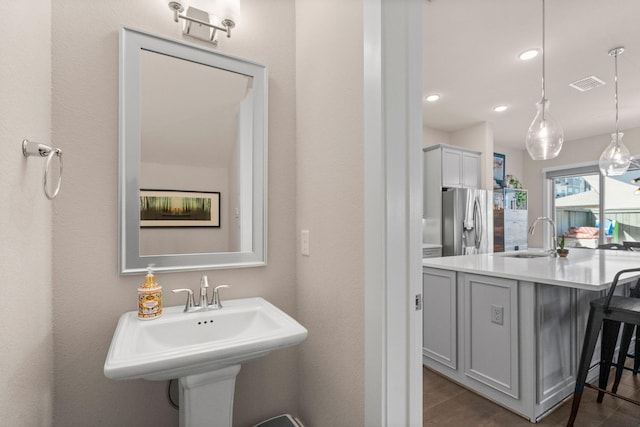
[(467, 221)]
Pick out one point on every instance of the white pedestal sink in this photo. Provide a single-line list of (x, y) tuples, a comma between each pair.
[(203, 349)]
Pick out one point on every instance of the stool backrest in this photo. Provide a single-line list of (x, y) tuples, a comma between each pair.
[(615, 283), (614, 246), (631, 246)]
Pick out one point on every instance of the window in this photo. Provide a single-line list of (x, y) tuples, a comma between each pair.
[(581, 197)]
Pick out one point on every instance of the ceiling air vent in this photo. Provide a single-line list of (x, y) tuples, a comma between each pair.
[(587, 83)]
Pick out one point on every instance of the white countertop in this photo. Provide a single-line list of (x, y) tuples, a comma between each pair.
[(591, 269)]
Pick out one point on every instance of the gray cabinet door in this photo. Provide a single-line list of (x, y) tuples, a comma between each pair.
[(439, 316), (491, 322)]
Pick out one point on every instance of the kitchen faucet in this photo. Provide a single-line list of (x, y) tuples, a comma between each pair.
[(554, 239)]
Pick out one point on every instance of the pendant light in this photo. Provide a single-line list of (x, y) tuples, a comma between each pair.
[(545, 136), (616, 157)]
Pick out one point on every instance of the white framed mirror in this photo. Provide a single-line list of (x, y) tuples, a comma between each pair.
[(193, 157)]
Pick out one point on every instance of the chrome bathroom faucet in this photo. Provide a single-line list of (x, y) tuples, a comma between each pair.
[(204, 305), (554, 238)]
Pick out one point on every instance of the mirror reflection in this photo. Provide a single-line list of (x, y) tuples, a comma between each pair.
[(193, 140), (189, 143)]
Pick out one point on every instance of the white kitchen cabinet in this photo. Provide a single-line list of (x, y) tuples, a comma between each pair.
[(458, 167), (513, 341), (555, 327), (445, 166), (490, 307), (461, 314)]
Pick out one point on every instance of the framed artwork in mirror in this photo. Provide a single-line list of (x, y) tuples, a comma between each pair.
[(171, 208), (498, 168)]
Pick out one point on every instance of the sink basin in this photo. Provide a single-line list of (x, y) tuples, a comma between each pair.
[(180, 344), (523, 254)]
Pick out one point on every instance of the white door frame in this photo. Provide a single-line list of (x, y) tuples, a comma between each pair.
[(393, 212)]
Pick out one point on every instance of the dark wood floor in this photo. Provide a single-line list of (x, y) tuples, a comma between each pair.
[(447, 404)]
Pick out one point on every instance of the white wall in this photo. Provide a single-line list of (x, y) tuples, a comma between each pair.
[(89, 294), (330, 204), (431, 136), (573, 152), (513, 161), (26, 354)]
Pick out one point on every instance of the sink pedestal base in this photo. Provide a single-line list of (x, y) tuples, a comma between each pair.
[(207, 399)]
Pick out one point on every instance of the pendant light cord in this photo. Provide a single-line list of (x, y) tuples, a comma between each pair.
[(615, 80), (543, 51)]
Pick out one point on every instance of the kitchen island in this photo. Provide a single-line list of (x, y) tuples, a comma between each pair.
[(510, 326)]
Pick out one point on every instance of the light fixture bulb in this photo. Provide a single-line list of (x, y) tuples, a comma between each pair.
[(204, 5), (544, 138), (615, 158), (228, 10), (500, 108), (432, 98)]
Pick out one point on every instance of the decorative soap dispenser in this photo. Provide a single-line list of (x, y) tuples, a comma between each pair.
[(149, 298)]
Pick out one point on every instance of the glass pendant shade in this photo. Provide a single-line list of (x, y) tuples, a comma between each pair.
[(616, 157), (545, 137)]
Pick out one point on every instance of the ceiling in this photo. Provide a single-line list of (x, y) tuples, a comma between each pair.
[(471, 53)]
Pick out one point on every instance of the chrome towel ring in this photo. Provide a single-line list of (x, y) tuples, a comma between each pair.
[(31, 148)]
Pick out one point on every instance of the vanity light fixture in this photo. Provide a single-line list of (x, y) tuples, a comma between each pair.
[(432, 98), (500, 108), (615, 159), (204, 18), (544, 137)]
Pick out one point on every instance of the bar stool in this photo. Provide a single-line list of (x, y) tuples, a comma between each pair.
[(625, 342), (606, 313)]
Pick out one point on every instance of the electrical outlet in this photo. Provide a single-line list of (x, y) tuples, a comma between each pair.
[(497, 314), (304, 242)]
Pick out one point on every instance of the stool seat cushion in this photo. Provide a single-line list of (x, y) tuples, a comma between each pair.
[(619, 303)]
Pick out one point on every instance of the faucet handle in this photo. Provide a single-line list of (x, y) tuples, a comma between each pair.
[(215, 300), (204, 282), (190, 304)]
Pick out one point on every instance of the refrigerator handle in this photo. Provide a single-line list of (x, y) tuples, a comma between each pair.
[(477, 221)]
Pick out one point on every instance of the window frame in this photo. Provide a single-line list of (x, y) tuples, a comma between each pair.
[(579, 169)]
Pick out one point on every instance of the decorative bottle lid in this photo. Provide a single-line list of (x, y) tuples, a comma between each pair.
[(149, 279)]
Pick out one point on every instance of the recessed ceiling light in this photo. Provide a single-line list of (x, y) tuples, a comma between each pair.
[(529, 54), (500, 108), (432, 98)]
